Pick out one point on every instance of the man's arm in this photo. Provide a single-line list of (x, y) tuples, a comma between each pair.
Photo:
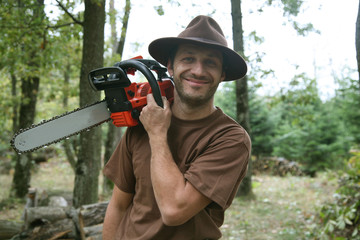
[(177, 199), (118, 204)]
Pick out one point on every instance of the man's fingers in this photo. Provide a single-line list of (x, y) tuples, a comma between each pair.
[(166, 102), (150, 99)]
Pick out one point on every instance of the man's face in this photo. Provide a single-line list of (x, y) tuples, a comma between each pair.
[(197, 72)]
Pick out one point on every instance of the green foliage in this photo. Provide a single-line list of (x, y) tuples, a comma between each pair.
[(262, 126), (341, 218), (57, 53), (159, 9), (225, 98), (309, 131), (6, 112), (347, 103), (296, 125), (261, 122), (291, 9)]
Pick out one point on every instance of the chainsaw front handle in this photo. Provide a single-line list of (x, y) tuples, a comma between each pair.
[(138, 65)]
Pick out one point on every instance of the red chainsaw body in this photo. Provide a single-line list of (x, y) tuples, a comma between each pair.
[(136, 94)]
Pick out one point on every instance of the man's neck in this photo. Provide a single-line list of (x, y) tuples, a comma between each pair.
[(186, 112)]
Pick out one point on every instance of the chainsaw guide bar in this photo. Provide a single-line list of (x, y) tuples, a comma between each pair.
[(123, 103), (65, 126)]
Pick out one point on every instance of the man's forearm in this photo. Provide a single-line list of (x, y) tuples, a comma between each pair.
[(168, 182), (115, 211), (111, 222)]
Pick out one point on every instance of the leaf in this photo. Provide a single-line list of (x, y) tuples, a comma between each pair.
[(348, 221), (160, 10), (355, 232)]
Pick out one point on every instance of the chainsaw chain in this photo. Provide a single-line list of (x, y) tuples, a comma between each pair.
[(12, 141)]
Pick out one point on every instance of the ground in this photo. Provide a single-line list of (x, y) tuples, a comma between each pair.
[(284, 208)]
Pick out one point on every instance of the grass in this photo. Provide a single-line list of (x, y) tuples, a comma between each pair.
[(284, 208)]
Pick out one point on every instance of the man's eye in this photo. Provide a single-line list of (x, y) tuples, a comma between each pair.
[(211, 63), (188, 59)]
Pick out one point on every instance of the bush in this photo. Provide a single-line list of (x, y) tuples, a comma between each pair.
[(341, 218)]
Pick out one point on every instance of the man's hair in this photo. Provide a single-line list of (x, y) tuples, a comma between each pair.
[(172, 56)]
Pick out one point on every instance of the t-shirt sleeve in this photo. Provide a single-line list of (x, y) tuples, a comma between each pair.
[(218, 171), (119, 168)]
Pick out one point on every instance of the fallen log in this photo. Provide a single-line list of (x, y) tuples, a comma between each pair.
[(8, 229), (93, 214), (33, 216), (53, 223), (93, 231), (276, 166), (64, 222), (63, 228)]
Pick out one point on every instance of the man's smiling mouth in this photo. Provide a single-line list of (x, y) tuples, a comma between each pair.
[(196, 81)]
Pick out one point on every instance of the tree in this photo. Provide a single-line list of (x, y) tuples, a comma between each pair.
[(114, 134), (309, 131), (242, 102), (25, 21), (262, 125), (88, 163), (347, 103), (357, 41)]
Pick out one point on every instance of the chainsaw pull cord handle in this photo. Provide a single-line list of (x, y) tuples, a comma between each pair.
[(133, 63)]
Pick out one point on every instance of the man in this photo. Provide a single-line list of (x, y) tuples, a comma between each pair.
[(176, 173)]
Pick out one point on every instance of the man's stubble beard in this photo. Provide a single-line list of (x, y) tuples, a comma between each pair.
[(194, 101)]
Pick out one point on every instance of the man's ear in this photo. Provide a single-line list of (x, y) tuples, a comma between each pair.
[(223, 76), (170, 67)]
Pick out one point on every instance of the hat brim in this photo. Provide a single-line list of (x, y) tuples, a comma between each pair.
[(235, 65)]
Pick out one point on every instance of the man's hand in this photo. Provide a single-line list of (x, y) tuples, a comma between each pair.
[(156, 120)]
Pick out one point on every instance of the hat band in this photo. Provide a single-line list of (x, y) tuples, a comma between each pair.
[(204, 40)]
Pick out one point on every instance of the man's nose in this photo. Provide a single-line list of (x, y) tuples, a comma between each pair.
[(198, 69)]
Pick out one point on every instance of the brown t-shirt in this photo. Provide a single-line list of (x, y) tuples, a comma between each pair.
[(212, 153)]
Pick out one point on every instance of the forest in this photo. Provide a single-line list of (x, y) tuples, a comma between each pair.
[(300, 136)]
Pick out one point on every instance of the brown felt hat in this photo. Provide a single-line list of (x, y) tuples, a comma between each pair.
[(205, 31)]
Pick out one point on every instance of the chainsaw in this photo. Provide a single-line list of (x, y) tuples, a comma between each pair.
[(123, 103)]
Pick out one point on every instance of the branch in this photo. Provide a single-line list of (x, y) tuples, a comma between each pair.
[(68, 13), (61, 25)]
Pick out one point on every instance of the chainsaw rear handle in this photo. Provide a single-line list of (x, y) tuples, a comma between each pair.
[(108, 77)]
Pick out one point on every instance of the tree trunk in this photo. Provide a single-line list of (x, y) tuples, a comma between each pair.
[(67, 143), (88, 163), (112, 20), (242, 102), (22, 174), (124, 28), (357, 42), (114, 133), (14, 103), (29, 90)]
